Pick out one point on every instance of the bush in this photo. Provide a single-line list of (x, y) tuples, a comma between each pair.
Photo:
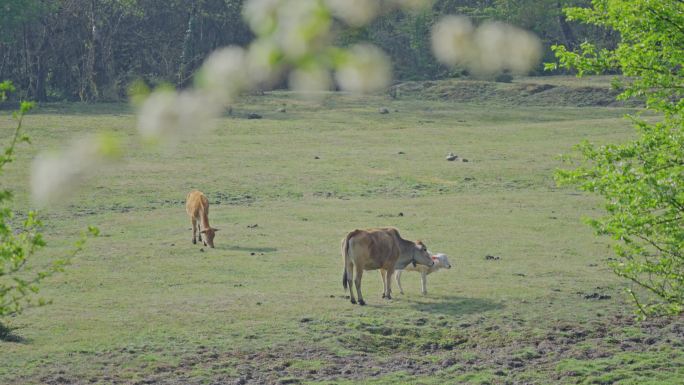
[(641, 181), (503, 78)]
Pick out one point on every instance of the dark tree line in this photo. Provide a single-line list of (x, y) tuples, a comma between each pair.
[(90, 50), (406, 36)]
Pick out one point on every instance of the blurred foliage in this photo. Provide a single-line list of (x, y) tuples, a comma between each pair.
[(642, 181)]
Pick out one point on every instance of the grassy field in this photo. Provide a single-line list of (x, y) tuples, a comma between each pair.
[(142, 305)]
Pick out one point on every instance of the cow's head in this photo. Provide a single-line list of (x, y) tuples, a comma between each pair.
[(421, 255), (209, 236)]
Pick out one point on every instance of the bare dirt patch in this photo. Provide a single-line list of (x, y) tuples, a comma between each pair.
[(456, 348)]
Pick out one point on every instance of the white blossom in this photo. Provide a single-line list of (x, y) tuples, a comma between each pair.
[(170, 115), (354, 12), (261, 15), (366, 69), (491, 48), (262, 62), (310, 81), (303, 25), (224, 74), (412, 4), (452, 40), (55, 175), (158, 115)]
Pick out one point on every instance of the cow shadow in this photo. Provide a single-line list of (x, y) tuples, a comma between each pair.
[(7, 335), (249, 249), (455, 305)]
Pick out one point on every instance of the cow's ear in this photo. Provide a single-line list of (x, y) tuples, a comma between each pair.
[(215, 229)]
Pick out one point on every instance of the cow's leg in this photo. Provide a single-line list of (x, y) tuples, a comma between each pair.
[(350, 275), (388, 286), (199, 230), (383, 275), (423, 282), (357, 283), (194, 231), (398, 274)]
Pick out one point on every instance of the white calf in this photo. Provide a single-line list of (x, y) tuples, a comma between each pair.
[(441, 262)]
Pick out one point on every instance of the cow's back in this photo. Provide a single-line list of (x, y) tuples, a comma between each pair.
[(374, 248), (195, 203)]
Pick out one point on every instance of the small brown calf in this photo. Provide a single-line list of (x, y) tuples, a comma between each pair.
[(197, 207)]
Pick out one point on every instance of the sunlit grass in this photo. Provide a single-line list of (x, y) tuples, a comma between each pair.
[(143, 295)]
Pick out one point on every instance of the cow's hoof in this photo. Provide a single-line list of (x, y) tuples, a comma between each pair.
[(353, 301), (388, 297), (362, 302), (383, 295), (194, 241), (205, 243)]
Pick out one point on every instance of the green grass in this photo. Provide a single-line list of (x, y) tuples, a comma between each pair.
[(626, 368), (144, 304)]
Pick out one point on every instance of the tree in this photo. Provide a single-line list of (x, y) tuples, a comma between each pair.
[(91, 50), (641, 181)]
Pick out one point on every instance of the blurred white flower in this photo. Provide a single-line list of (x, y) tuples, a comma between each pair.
[(365, 69), (197, 110), (169, 115), (492, 39), (310, 81), (354, 12), (55, 175), (505, 47), (303, 25), (413, 4), (263, 58), (452, 40), (528, 51), (488, 49), (224, 74), (158, 114), (261, 15)]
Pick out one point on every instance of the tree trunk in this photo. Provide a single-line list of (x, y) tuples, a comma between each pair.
[(89, 90), (188, 51), (568, 35), (25, 78), (40, 94), (41, 75)]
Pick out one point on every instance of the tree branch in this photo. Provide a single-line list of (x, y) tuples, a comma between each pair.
[(665, 19), (655, 245)]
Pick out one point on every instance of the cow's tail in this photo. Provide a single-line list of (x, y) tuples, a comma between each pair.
[(344, 278), (345, 255)]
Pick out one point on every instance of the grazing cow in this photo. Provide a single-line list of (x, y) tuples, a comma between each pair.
[(382, 249), (197, 206), (441, 262)]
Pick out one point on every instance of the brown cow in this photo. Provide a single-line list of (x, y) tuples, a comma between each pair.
[(197, 207), (382, 249)]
